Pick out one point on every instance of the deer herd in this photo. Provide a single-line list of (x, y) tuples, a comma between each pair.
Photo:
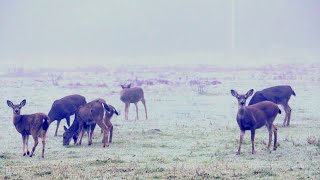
[(261, 111)]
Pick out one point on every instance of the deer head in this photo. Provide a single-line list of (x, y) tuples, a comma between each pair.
[(242, 98), (126, 86), (16, 108)]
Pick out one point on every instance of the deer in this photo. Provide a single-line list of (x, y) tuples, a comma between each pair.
[(254, 117), (277, 94), (64, 108), (129, 95), (32, 124), (72, 132), (90, 114), (107, 119)]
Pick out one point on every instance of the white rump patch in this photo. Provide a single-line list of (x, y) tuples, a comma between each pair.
[(105, 112)]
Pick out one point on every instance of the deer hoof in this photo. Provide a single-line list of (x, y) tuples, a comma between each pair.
[(28, 153), (274, 148), (238, 153), (106, 145), (24, 154), (253, 152)]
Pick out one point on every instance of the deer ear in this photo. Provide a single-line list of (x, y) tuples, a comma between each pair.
[(65, 128), (23, 102), (10, 104), (122, 86), (234, 93), (249, 93)]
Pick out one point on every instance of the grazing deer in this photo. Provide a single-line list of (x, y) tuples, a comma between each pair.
[(64, 108), (279, 95), (254, 117), (72, 132), (91, 114), (33, 124), (132, 95)]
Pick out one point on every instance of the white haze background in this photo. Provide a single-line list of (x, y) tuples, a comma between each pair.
[(103, 33)]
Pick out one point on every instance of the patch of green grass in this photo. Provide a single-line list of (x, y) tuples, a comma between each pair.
[(263, 172), (100, 162), (45, 173), (149, 145)]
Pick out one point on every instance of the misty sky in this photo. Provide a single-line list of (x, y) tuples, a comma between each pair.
[(61, 33)]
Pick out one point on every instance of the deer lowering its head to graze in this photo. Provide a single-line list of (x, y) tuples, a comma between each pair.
[(91, 114), (64, 108), (33, 124), (254, 117), (72, 132), (279, 95), (132, 95)]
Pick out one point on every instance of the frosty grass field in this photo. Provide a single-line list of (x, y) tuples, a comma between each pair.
[(191, 132)]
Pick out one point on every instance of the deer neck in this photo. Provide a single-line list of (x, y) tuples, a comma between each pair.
[(16, 119), (241, 112)]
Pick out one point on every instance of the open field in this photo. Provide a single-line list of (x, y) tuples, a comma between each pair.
[(191, 132)]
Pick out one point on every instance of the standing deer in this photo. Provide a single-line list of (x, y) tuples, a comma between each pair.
[(132, 95), (254, 117), (277, 94), (33, 124), (107, 119), (91, 114), (64, 108)]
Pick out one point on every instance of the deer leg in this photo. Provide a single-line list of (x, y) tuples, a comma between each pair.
[(137, 110), (43, 138), (105, 133), (58, 123), (275, 131), (35, 138), (89, 135), (127, 106), (145, 107), (253, 131), (289, 114), (91, 129), (270, 136), (24, 144), (27, 140), (286, 115), (68, 121), (79, 140), (241, 140), (110, 126)]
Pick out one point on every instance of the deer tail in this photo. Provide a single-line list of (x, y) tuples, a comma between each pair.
[(292, 92), (45, 124)]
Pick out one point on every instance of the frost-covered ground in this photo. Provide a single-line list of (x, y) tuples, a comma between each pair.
[(194, 111)]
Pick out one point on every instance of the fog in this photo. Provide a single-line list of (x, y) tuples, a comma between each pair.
[(106, 33)]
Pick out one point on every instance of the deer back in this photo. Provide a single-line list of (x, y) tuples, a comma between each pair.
[(66, 106), (91, 112), (26, 124), (257, 115), (276, 94)]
